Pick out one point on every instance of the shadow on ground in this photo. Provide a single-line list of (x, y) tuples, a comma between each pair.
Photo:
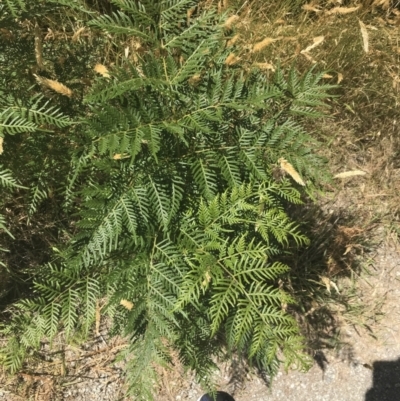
[(386, 381)]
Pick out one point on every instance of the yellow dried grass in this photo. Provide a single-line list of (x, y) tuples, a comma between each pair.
[(233, 40), (385, 4), (264, 43), (341, 10), (232, 59), (1, 144), (289, 169), (231, 21), (126, 304), (351, 173), (54, 85), (311, 7), (102, 70), (77, 34), (364, 34), (265, 66), (189, 14), (316, 42)]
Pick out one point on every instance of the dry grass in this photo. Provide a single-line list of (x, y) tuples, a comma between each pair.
[(358, 45), (54, 85)]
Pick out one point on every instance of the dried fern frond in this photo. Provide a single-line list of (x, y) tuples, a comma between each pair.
[(54, 85), (288, 168), (102, 70)]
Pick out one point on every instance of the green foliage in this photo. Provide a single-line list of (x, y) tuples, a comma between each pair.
[(179, 207)]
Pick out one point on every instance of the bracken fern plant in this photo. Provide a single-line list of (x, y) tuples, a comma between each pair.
[(181, 205)]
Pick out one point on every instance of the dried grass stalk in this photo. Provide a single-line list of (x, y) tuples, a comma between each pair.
[(264, 66), (98, 318), (264, 43), (76, 35), (342, 10), (126, 304), (328, 283), (38, 47), (231, 21), (189, 14), (1, 145), (311, 7), (385, 4), (119, 156), (351, 173), (194, 79), (364, 34), (231, 59), (316, 42), (308, 57), (289, 169), (54, 85), (233, 40), (102, 70)]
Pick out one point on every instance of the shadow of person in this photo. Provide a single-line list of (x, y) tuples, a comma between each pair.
[(219, 396), (386, 381)]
